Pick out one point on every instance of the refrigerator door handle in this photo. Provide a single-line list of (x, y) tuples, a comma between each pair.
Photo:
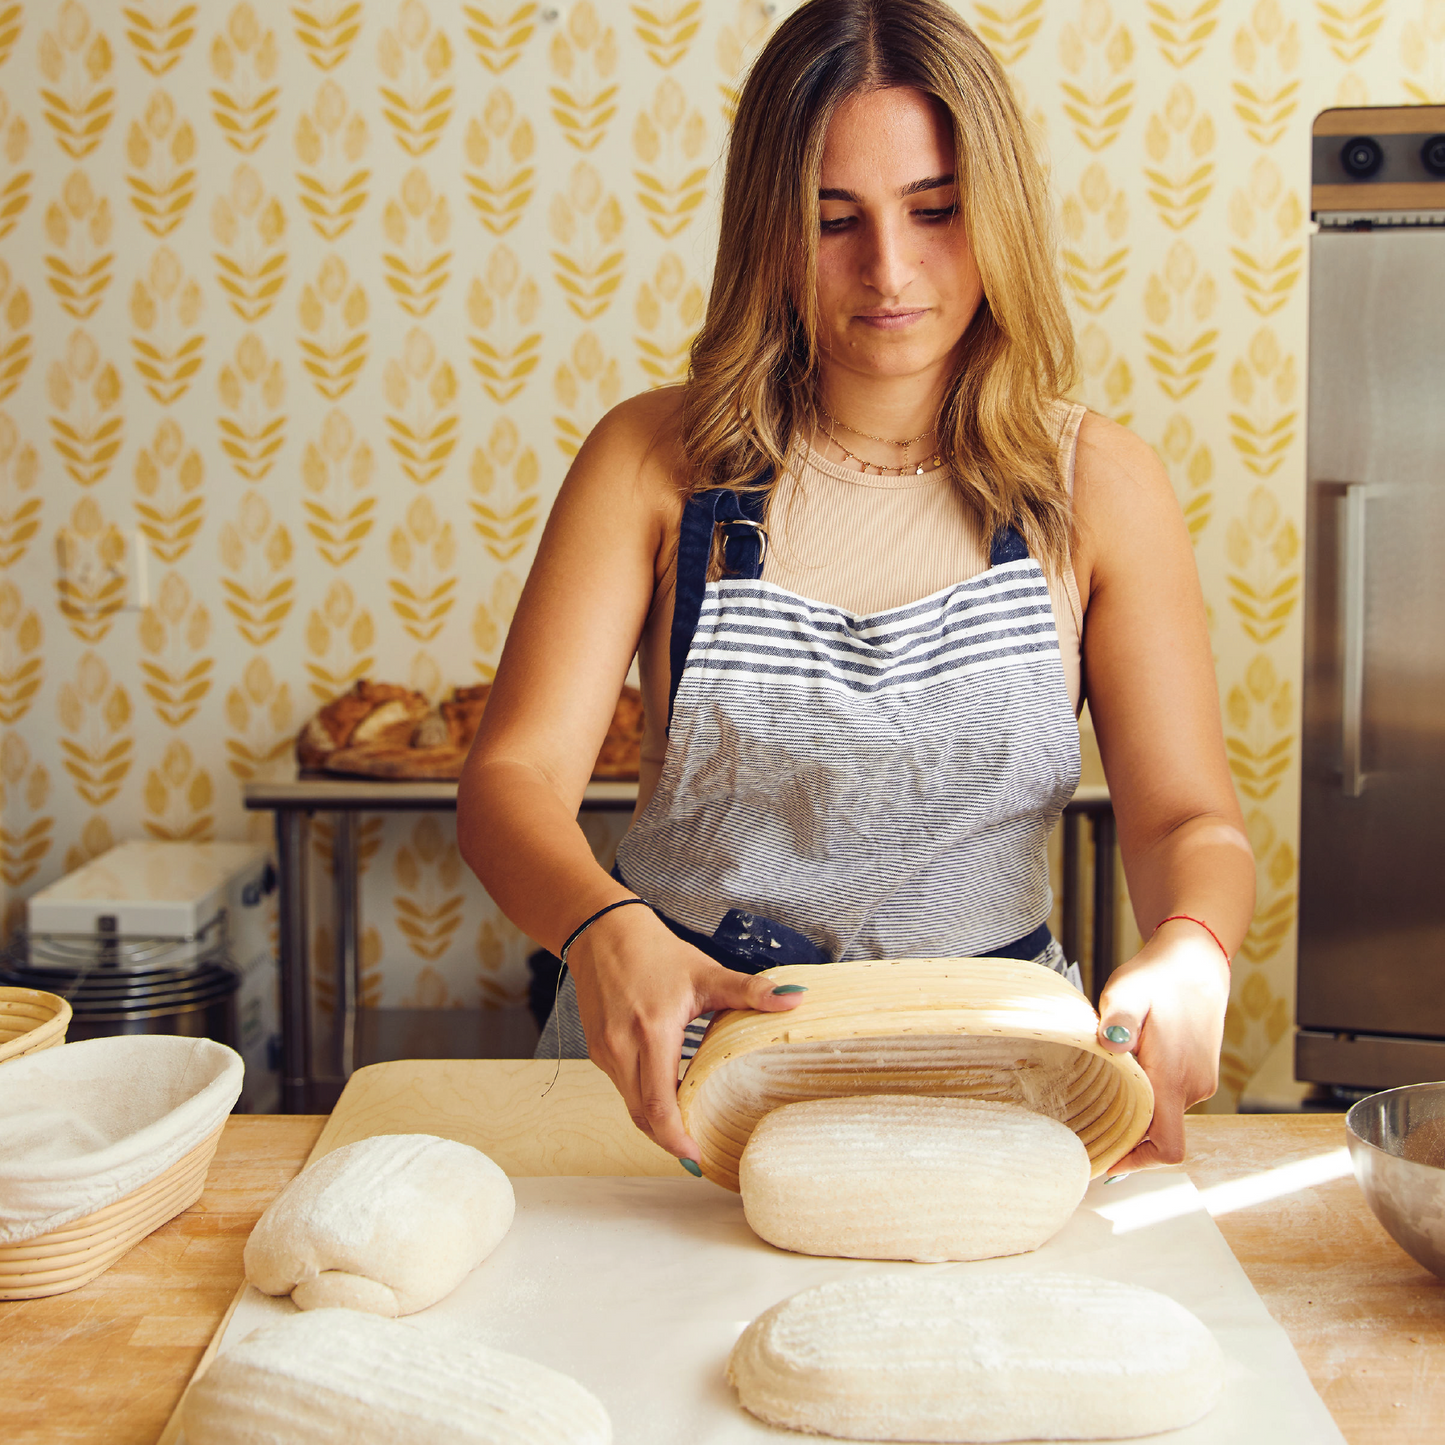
[(1353, 636)]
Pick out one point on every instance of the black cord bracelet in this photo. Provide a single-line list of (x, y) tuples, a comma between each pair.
[(587, 923), (562, 972)]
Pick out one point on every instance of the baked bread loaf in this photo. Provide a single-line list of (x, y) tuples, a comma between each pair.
[(335, 1377), (389, 1225), (413, 765), (380, 730), (900, 1176), (930, 1356), (372, 714), (461, 713), (432, 732)]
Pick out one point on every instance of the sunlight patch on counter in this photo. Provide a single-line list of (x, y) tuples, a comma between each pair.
[(1183, 1198)]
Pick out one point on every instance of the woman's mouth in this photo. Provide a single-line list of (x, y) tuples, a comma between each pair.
[(886, 319)]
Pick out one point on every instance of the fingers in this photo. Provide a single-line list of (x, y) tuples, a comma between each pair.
[(634, 1019), (1142, 1156), (1149, 1155), (1166, 1128), (646, 1078), (657, 1059), (1123, 1010), (625, 1081), (724, 988), (1164, 1143)]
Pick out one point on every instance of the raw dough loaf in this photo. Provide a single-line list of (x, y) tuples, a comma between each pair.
[(334, 1377), (1009, 1357), (387, 1225), (899, 1176)]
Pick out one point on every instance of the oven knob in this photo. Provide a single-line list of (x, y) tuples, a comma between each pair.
[(1361, 157), (1432, 155)]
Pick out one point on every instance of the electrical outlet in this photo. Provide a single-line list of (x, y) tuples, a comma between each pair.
[(101, 573)]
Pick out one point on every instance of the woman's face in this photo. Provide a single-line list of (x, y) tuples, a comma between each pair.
[(897, 283)]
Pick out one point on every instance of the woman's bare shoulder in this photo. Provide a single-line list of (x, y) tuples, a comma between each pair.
[(1123, 498), (638, 445), (1112, 462)]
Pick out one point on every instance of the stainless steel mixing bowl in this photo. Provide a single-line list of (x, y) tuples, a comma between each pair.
[(1408, 1197)]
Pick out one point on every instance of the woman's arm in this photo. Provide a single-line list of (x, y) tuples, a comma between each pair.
[(568, 650), (1154, 701)]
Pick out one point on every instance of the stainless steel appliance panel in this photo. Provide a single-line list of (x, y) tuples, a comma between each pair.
[(1372, 844)]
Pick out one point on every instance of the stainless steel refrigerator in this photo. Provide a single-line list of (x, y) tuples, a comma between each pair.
[(1372, 815)]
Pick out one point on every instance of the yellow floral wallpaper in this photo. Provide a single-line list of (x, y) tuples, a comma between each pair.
[(304, 310)]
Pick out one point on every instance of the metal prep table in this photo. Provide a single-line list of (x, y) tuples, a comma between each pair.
[(294, 796)]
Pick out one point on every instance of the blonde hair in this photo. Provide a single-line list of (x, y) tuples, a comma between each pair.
[(752, 385)]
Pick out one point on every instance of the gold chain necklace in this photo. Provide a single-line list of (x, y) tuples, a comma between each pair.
[(886, 441)]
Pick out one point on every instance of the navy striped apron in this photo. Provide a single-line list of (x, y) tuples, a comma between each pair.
[(841, 787)]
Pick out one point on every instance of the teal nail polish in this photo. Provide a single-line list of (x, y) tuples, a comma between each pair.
[(692, 1168), (1117, 1034), (791, 988)]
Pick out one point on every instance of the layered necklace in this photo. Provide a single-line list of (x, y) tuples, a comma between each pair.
[(903, 446)]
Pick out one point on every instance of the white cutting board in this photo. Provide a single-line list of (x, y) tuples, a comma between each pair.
[(639, 1287)]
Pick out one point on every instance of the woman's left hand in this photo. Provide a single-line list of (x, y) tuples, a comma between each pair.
[(1171, 996)]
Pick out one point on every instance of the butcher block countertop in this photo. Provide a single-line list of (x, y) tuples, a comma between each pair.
[(107, 1363)]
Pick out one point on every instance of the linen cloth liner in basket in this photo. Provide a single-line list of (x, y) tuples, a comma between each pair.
[(85, 1125)]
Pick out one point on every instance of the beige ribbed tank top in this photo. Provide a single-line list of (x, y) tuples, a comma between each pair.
[(863, 543), (866, 543)]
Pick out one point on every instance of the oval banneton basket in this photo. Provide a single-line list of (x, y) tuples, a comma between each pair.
[(105, 1141), (68, 1258), (31, 1020), (981, 1028)]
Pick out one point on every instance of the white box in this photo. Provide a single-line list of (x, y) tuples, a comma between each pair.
[(178, 890), (152, 890)]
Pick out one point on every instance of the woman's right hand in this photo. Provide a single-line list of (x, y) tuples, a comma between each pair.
[(638, 987)]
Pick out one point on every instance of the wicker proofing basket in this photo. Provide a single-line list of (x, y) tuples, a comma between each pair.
[(74, 1255), (31, 1020), (992, 1028)]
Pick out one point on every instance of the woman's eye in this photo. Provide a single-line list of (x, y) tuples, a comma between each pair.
[(835, 225)]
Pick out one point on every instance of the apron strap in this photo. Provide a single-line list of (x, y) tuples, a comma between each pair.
[(744, 548), (1008, 546)]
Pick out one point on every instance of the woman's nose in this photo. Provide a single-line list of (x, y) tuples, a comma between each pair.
[(886, 265)]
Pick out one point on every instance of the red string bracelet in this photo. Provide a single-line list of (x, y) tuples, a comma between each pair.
[(1190, 918)]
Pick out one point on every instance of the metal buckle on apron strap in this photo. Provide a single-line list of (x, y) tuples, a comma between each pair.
[(762, 536)]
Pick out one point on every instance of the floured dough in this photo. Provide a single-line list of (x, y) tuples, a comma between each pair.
[(929, 1356), (387, 1225), (898, 1176), (335, 1377)]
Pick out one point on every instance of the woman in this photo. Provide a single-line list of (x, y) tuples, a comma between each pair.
[(866, 558)]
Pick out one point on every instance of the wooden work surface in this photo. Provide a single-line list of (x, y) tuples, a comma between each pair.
[(108, 1362)]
